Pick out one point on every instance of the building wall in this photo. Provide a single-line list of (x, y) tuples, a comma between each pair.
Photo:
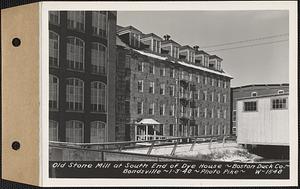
[(265, 126), (132, 75), (245, 91), (62, 72)]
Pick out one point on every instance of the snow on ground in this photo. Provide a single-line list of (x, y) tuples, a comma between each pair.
[(230, 151)]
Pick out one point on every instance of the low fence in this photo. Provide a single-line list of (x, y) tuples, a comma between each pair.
[(112, 151)]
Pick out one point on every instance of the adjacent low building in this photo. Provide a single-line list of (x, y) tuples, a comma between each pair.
[(176, 90), (254, 90)]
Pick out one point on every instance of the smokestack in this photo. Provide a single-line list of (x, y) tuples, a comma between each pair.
[(196, 47), (167, 37)]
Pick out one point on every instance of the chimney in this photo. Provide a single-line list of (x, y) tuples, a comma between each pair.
[(196, 47), (167, 37)]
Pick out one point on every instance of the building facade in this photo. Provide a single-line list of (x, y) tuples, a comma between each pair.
[(252, 91), (181, 87), (82, 57)]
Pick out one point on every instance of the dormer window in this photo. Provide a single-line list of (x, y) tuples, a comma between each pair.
[(187, 53), (202, 58), (215, 62), (131, 36), (152, 41), (171, 47)]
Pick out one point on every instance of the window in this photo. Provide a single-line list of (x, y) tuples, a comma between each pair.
[(172, 110), (280, 91), (151, 68), (224, 115), (196, 95), (219, 83), (151, 88), (198, 78), (162, 71), (234, 116), (53, 49), (140, 86), (250, 106), (219, 129), (74, 131), (205, 112), (140, 66), (76, 20), (140, 108), (127, 61), (212, 113), (98, 96), (98, 132), (225, 84), (219, 97), (75, 53), (75, 94), (204, 95), (172, 72), (253, 94), (212, 81), (162, 109), (53, 92), (205, 80), (279, 103), (54, 17), (151, 109), (98, 59), (171, 131), (224, 129), (99, 23), (127, 107), (172, 90), (162, 89), (212, 96), (53, 130), (218, 113), (224, 98), (190, 77)]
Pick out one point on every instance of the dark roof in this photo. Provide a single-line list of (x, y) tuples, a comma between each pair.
[(151, 35), (261, 85), (169, 41), (120, 28), (215, 56), (201, 52), (186, 47), (262, 96)]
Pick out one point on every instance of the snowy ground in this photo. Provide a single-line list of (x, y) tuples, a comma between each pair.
[(231, 151)]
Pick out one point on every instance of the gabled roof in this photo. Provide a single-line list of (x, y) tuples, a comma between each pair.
[(169, 42), (201, 52), (151, 35), (186, 47), (262, 85), (120, 29), (215, 57)]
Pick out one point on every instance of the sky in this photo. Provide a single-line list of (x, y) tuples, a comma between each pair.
[(258, 64)]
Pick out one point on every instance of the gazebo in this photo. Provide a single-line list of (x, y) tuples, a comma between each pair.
[(148, 129)]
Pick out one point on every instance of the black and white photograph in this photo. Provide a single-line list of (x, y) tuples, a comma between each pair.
[(193, 94)]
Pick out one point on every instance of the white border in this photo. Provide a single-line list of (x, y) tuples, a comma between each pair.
[(147, 6)]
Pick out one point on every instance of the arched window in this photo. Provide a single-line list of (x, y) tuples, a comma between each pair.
[(98, 96), (75, 94), (98, 132), (53, 49), (53, 92), (253, 94), (98, 58), (76, 20), (53, 130), (75, 53), (74, 131), (99, 23), (54, 17)]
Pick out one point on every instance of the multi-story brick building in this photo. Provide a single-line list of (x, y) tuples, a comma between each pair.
[(255, 90), (82, 57), (182, 88)]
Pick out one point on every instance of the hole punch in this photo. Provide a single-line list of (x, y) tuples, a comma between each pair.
[(16, 42), (16, 145)]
